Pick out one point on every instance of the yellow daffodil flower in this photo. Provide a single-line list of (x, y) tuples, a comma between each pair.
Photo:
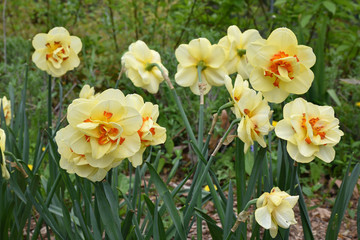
[(102, 131), (207, 188), (357, 104), (200, 52), (139, 69), (310, 130), (240, 89), (281, 66), (56, 52), (235, 44), (87, 92), (150, 132), (275, 209), (4, 172), (274, 123), (253, 110), (6, 104), (30, 166)]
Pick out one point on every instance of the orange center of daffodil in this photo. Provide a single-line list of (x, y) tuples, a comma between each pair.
[(316, 129), (57, 52), (141, 133), (107, 133), (276, 62)]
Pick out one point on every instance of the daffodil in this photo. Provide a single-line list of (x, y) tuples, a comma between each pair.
[(200, 52), (253, 110), (281, 66), (56, 52), (140, 69), (357, 104), (4, 172), (275, 209), (6, 106), (240, 89), (77, 163), (87, 92), (310, 130), (235, 44), (102, 131), (150, 132)]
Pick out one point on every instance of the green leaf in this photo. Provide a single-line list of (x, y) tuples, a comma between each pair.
[(305, 19), (341, 202), (215, 231), (334, 96), (107, 215), (168, 200), (330, 6), (229, 215)]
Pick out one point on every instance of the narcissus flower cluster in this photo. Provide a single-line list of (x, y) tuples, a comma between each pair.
[(6, 107), (310, 130), (281, 66), (4, 172), (105, 129), (139, 66), (56, 52), (253, 110), (275, 209)]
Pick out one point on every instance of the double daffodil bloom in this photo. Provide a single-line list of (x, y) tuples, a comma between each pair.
[(4, 172), (200, 52), (102, 131), (253, 110), (150, 132), (275, 209), (281, 66), (138, 63), (6, 106), (310, 130), (56, 52), (235, 44)]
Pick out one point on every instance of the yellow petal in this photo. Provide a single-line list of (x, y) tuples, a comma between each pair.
[(186, 76), (284, 38), (39, 41), (58, 30), (75, 44), (39, 58), (184, 57), (306, 56), (296, 155), (284, 215), (215, 77), (276, 95), (216, 57), (326, 153), (263, 217)]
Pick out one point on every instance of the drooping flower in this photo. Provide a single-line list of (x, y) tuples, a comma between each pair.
[(200, 52), (253, 110), (281, 66), (56, 52), (4, 172), (102, 131), (139, 69), (310, 130), (150, 132), (275, 209), (6, 105), (235, 44)]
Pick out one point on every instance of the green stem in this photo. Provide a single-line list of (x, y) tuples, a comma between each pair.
[(119, 77), (200, 144), (49, 106), (178, 103)]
